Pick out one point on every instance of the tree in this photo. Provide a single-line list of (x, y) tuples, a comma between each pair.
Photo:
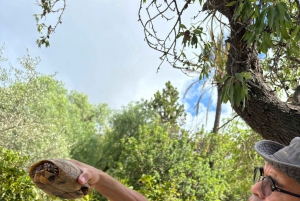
[(87, 124), (166, 168), (167, 106), (254, 86), (232, 153), (30, 111), (124, 124), (41, 119)]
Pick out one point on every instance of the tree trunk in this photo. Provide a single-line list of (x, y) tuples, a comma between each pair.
[(264, 112), (218, 109)]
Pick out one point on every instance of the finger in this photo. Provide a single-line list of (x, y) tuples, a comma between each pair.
[(86, 173), (83, 178)]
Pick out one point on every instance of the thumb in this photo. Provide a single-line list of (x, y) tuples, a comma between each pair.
[(83, 178)]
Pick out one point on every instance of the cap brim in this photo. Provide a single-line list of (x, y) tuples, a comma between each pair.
[(267, 148)]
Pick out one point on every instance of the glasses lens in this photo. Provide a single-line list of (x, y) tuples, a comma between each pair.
[(257, 174), (266, 186)]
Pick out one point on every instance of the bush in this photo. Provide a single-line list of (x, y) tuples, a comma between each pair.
[(15, 183)]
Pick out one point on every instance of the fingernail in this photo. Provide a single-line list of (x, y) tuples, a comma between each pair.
[(82, 180)]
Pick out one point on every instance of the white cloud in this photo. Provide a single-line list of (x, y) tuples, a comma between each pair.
[(99, 50)]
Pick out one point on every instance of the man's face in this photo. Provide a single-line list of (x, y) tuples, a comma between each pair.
[(281, 181)]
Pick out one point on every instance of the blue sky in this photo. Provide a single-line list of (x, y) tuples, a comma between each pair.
[(196, 93), (99, 50)]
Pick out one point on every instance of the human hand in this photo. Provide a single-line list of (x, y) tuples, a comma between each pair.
[(106, 185), (89, 174)]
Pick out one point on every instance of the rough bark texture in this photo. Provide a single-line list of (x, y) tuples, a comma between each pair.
[(264, 111)]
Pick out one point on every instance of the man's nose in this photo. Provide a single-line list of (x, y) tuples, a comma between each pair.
[(256, 190)]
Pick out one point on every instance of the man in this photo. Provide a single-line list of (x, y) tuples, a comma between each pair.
[(278, 180)]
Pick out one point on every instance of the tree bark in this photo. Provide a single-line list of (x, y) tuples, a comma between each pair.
[(264, 112), (218, 109)]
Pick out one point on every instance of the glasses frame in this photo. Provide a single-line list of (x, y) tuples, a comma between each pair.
[(273, 186)]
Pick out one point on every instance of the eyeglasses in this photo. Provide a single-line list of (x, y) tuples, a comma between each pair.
[(267, 184)]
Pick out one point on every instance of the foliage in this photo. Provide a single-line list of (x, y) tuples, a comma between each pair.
[(262, 68), (49, 8), (165, 168), (271, 26), (135, 145), (140, 152), (87, 123), (232, 153), (53, 122), (235, 90), (15, 183), (275, 32), (167, 106), (24, 122), (124, 124), (207, 166)]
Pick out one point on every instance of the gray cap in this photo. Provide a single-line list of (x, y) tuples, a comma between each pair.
[(284, 158)]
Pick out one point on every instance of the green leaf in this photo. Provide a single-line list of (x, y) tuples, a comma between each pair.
[(257, 11), (197, 31), (247, 35), (242, 91), (239, 77), (295, 32), (246, 8), (194, 40), (277, 26), (237, 13), (47, 43), (183, 26), (266, 42), (271, 15), (288, 51), (245, 90), (224, 96), (225, 90), (246, 75), (284, 32), (267, 38), (263, 48), (251, 39), (36, 18), (237, 94), (281, 9), (179, 35), (231, 93), (259, 25), (295, 48), (288, 20), (231, 3), (223, 79)]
